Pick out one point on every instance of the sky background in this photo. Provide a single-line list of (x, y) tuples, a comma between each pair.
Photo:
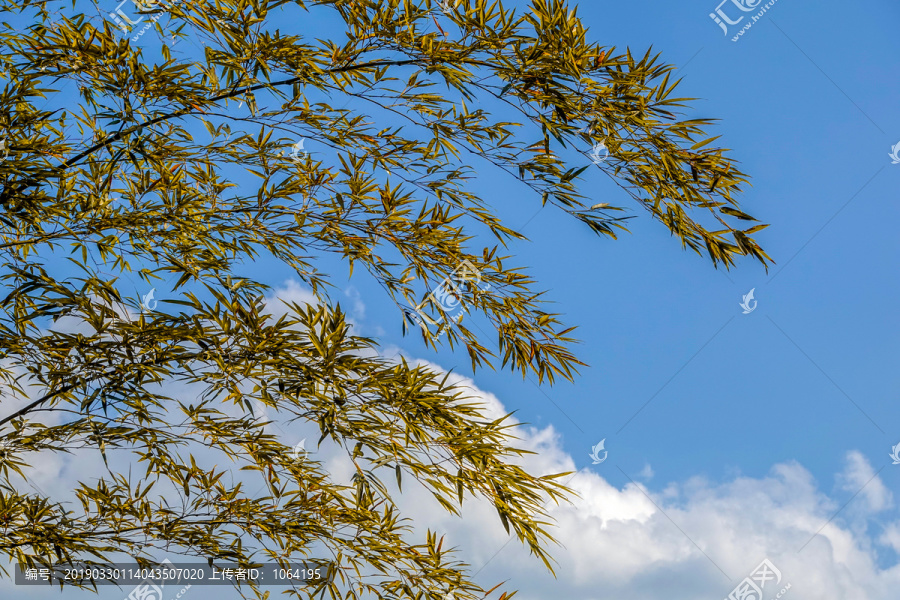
[(732, 437)]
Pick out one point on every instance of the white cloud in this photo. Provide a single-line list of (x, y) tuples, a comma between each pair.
[(357, 307), (891, 537), (291, 291), (691, 540), (859, 476), (646, 473)]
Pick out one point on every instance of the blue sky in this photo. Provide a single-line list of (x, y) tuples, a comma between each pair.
[(807, 100), (794, 402), (748, 396)]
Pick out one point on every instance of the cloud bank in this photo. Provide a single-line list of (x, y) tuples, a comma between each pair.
[(692, 540)]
